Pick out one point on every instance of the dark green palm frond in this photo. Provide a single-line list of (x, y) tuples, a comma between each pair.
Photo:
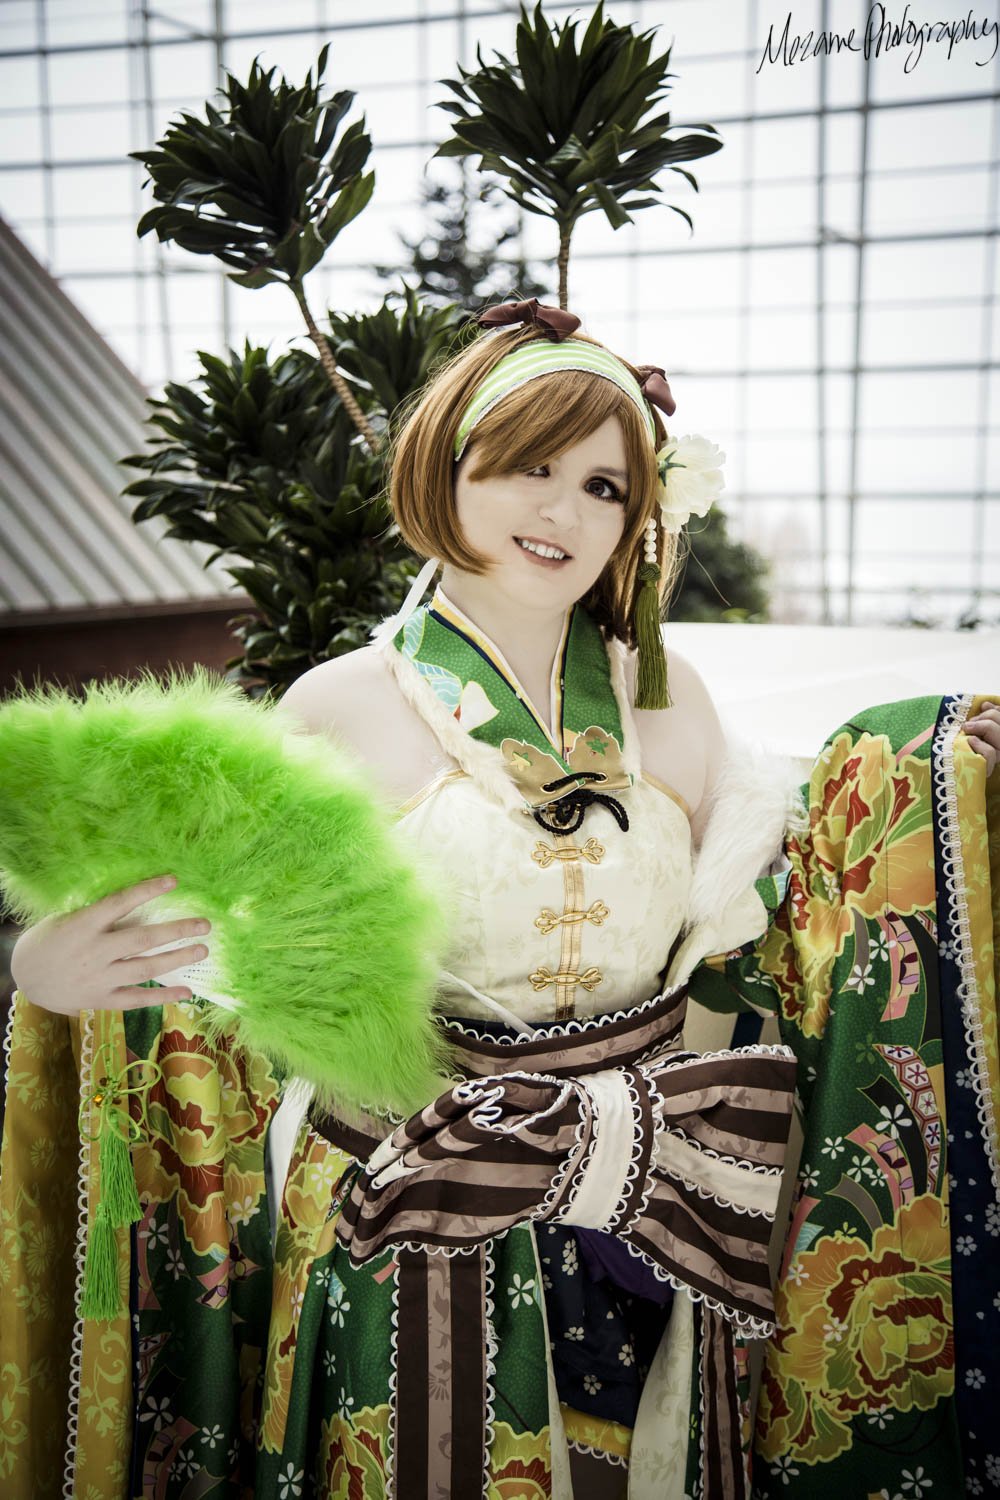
[(572, 128), (264, 184)]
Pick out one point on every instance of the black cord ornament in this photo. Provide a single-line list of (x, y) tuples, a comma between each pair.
[(567, 813)]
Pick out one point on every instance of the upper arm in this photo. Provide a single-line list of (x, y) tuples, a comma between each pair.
[(320, 700), (684, 745), (689, 691)]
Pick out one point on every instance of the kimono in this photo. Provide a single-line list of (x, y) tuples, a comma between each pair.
[(874, 949)]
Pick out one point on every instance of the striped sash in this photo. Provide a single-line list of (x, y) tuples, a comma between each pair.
[(511, 1145)]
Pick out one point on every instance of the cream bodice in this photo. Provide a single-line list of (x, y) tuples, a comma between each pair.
[(549, 926)]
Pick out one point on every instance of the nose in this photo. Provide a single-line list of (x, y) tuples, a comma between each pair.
[(560, 506)]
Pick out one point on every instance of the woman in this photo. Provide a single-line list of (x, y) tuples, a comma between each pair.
[(490, 719)]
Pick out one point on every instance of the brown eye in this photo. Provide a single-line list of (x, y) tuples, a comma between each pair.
[(615, 497)]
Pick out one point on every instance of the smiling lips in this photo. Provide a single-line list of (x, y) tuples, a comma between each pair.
[(541, 557)]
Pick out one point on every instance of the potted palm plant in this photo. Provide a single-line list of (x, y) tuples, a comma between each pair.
[(571, 130)]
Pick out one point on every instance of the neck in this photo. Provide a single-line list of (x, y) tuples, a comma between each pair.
[(528, 638)]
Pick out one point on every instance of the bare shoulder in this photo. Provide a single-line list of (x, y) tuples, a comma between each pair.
[(684, 745), (354, 700), (334, 690)]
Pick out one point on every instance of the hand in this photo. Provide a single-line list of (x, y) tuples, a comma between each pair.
[(82, 961), (983, 734)]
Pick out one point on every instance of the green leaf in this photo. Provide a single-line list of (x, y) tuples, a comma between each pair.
[(255, 279), (616, 215)]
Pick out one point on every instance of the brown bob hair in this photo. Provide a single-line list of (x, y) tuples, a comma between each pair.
[(530, 425)]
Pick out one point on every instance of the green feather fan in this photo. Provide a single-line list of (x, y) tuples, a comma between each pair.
[(326, 934)]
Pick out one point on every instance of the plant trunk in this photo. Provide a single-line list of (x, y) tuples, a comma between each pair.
[(332, 373), (563, 263)]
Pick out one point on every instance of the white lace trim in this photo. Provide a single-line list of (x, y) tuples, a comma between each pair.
[(574, 1163), (486, 1112), (482, 762), (571, 1161), (638, 1145), (492, 1348), (80, 1256), (953, 865), (656, 1105), (390, 1456), (608, 1458), (758, 1168), (8, 1042), (750, 1326), (699, 1488), (707, 1194), (568, 1028)]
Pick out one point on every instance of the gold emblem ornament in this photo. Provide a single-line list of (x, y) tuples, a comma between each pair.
[(593, 751)]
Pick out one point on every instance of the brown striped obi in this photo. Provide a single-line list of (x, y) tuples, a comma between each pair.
[(605, 1124)]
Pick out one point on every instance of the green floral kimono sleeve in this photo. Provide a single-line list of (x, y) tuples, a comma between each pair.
[(879, 964)]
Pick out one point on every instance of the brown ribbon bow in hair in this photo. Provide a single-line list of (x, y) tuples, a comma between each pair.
[(654, 387), (557, 324)]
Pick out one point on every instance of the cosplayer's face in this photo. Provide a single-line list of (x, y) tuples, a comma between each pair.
[(574, 503)]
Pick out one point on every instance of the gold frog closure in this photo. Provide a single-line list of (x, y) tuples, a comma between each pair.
[(547, 920), (589, 979), (543, 854)]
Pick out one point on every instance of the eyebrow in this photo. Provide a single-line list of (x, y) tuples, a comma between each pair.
[(607, 469)]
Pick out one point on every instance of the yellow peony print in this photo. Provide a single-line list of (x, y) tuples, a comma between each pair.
[(859, 1328), (352, 1455), (854, 821), (520, 1465), (205, 1117)]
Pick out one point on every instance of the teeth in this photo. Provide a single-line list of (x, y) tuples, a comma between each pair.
[(542, 551)]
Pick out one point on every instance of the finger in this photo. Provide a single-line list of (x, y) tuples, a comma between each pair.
[(135, 970), (119, 903), (988, 752), (129, 942), (133, 998)]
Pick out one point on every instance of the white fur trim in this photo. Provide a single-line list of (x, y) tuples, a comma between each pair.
[(482, 762), (754, 802)]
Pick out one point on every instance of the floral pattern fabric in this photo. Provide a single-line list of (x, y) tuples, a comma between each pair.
[(871, 1383), (163, 1399), (233, 1374)]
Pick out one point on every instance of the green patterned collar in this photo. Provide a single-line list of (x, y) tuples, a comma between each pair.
[(472, 678)]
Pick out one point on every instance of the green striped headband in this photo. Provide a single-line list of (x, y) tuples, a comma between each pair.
[(540, 358)]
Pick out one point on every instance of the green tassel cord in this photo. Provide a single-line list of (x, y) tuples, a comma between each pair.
[(117, 1199), (101, 1290), (651, 687)]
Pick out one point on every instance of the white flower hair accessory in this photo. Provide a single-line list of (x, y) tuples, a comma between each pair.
[(690, 478)]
